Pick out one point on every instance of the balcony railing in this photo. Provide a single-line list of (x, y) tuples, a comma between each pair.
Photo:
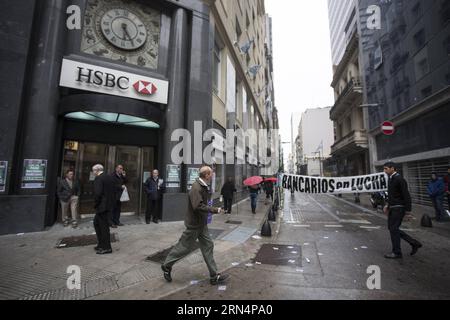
[(353, 87), (353, 141)]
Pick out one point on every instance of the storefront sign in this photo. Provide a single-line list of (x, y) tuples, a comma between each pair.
[(173, 176), (192, 175), (34, 174), (3, 175), (318, 185), (93, 78)]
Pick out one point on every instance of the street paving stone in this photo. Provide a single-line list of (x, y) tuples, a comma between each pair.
[(35, 270)]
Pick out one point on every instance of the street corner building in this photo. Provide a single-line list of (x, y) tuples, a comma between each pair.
[(108, 81), (391, 66)]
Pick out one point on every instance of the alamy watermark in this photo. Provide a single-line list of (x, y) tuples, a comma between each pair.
[(374, 281), (74, 280), (251, 146)]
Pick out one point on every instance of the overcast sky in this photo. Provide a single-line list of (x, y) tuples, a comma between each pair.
[(302, 58)]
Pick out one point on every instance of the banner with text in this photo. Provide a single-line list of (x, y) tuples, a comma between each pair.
[(322, 185)]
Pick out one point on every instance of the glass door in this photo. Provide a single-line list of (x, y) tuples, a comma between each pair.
[(137, 162), (90, 155)]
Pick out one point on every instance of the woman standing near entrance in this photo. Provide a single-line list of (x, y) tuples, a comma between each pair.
[(68, 193)]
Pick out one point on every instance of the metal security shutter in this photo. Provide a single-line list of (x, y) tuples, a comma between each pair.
[(419, 175)]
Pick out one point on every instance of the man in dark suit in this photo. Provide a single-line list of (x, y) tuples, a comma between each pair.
[(120, 180), (399, 205), (104, 196), (154, 188), (227, 192)]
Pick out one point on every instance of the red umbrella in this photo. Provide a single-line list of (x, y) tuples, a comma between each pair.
[(253, 181), (271, 180)]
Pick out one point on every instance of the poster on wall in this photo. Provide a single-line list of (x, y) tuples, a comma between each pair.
[(3, 175), (34, 174), (192, 175), (173, 176)]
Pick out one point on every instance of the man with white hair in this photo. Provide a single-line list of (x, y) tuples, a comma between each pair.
[(197, 219), (104, 197)]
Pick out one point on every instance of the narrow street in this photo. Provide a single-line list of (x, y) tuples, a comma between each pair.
[(339, 241)]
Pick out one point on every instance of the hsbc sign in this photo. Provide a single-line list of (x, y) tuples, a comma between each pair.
[(93, 78)]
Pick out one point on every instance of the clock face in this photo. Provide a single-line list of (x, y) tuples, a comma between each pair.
[(122, 30)]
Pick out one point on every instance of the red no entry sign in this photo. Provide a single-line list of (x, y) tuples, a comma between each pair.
[(388, 128)]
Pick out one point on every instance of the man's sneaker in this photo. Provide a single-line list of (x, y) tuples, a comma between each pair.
[(219, 279), (167, 273), (416, 248)]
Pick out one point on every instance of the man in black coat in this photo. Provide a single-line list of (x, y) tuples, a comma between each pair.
[(104, 197), (268, 188), (154, 188), (120, 180), (227, 192), (398, 205)]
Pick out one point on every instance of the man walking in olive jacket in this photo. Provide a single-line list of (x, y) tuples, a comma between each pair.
[(197, 219)]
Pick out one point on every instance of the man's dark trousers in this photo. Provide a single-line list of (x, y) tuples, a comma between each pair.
[(101, 225), (153, 210), (396, 216), (228, 203), (116, 213), (438, 203)]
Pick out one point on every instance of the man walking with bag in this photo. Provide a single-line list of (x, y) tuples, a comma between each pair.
[(399, 205), (197, 219)]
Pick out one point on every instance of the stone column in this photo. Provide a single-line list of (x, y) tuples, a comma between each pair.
[(176, 108)]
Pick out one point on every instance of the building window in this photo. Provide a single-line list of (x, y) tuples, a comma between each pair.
[(426, 92), (238, 30), (417, 11), (422, 67), (419, 39), (216, 69)]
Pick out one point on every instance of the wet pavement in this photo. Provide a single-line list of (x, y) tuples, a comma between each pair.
[(321, 248), (337, 242), (35, 266)]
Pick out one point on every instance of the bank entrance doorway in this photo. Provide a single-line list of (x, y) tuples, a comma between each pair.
[(138, 162)]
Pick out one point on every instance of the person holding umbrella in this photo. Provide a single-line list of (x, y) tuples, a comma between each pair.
[(253, 186)]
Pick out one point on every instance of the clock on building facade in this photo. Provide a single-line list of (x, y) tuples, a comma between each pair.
[(124, 31)]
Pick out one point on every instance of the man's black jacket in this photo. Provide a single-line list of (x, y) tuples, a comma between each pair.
[(398, 194), (104, 193)]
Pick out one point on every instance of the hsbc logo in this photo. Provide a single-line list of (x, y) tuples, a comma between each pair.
[(88, 77), (145, 87)]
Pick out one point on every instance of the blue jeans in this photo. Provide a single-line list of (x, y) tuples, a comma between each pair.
[(253, 197), (438, 203)]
